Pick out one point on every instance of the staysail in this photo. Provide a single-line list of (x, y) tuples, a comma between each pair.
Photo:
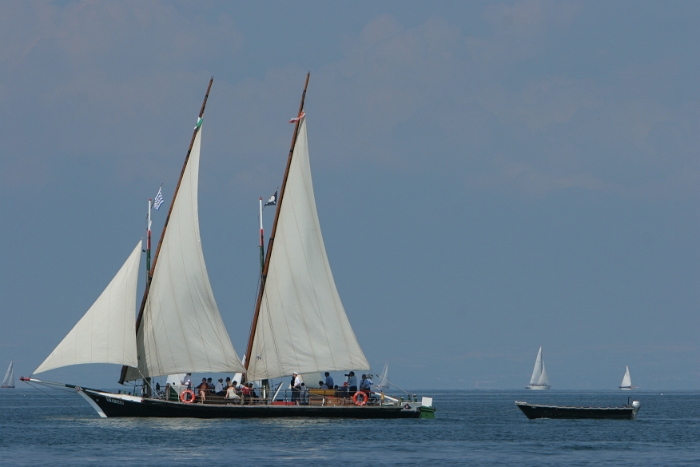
[(181, 330), (302, 325), (537, 371), (105, 333), (9, 380)]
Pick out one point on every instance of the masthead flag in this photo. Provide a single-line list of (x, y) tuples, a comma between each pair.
[(158, 199), (272, 201), (301, 115)]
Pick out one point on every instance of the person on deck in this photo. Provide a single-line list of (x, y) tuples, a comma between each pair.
[(329, 380), (304, 394), (365, 385), (211, 384), (231, 392), (187, 382), (322, 385), (296, 387), (219, 387), (202, 390), (352, 383)]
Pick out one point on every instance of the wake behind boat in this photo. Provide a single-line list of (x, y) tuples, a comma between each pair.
[(539, 380), (533, 411), (299, 326)]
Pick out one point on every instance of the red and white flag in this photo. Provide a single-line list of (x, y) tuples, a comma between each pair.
[(294, 120)]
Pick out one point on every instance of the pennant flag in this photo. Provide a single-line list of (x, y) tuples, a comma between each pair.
[(199, 123), (158, 200), (272, 201), (294, 120)]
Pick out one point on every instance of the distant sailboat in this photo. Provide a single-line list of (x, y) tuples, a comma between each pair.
[(626, 380), (539, 379), (8, 381), (383, 381)]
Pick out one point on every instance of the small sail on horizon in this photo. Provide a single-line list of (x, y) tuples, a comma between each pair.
[(302, 325), (181, 330), (105, 333), (8, 382), (626, 380), (383, 381), (539, 378)]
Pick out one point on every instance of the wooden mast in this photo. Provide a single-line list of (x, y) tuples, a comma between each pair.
[(271, 241), (165, 226)]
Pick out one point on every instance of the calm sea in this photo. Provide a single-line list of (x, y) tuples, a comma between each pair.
[(472, 428)]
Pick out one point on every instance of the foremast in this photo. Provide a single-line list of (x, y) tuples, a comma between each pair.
[(197, 127), (271, 241)]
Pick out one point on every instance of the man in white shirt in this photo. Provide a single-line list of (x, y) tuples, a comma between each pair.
[(219, 387), (296, 388)]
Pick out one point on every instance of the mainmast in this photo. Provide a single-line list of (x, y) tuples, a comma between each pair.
[(167, 219), (280, 199)]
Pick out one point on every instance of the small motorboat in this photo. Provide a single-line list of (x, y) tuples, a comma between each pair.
[(626, 412)]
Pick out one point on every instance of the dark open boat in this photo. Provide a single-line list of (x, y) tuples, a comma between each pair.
[(626, 412)]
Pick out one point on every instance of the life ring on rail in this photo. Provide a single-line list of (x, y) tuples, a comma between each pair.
[(183, 396), (364, 398)]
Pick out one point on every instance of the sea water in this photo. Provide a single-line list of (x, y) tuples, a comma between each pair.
[(472, 428)]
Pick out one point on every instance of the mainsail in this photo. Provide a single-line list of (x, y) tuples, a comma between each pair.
[(9, 380), (537, 371), (302, 326), (105, 333), (181, 330), (626, 380)]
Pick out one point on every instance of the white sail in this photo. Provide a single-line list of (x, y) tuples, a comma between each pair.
[(105, 334), (626, 380), (537, 371), (302, 325), (9, 380), (543, 381), (181, 330), (383, 382)]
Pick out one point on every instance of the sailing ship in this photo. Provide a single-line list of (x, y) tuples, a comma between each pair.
[(539, 380), (299, 325), (626, 384), (8, 382)]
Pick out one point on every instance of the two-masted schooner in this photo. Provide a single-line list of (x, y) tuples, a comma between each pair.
[(299, 326)]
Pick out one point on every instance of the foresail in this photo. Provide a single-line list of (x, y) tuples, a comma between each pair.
[(105, 334), (181, 330), (302, 325), (537, 370), (544, 380)]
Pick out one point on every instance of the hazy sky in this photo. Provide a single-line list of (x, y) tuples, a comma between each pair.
[(491, 177)]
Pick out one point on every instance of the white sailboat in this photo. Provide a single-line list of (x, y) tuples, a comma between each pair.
[(8, 382), (626, 384), (383, 380), (539, 379), (299, 326)]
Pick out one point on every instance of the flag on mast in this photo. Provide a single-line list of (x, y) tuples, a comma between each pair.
[(158, 200), (272, 201)]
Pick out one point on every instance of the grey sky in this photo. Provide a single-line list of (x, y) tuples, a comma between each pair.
[(490, 177)]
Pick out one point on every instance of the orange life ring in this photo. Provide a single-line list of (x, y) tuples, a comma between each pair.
[(184, 399), (364, 398)]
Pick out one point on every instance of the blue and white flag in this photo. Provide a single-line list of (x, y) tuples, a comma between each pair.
[(272, 201), (158, 200)]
